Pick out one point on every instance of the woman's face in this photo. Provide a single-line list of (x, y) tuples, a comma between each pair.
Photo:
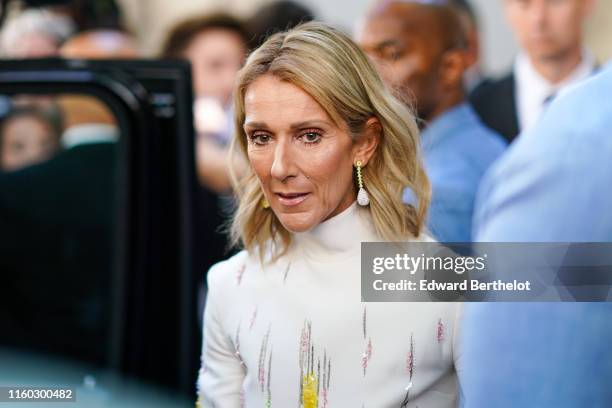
[(303, 160)]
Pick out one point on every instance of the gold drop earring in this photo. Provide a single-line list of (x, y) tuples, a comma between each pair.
[(265, 204), (363, 198)]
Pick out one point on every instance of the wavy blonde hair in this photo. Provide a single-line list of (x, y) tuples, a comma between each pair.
[(331, 68)]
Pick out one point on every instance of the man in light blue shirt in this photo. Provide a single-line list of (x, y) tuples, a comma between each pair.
[(457, 151), (554, 186), (420, 49)]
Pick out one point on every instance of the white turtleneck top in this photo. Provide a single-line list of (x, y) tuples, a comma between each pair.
[(295, 333)]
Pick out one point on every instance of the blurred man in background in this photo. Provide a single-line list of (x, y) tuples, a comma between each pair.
[(420, 51), (552, 186), (216, 47), (469, 19), (552, 57)]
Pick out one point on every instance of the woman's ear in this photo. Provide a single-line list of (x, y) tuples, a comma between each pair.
[(366, 144)]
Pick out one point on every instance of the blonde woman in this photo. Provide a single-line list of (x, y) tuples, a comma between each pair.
[(330, 152)]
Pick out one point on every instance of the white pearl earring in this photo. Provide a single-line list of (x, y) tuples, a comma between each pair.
[(363, 198)]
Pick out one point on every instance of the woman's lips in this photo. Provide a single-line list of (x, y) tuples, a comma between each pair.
[(291, 199)]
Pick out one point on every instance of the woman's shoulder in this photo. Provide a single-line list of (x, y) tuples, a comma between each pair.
[(232, 269), (222, 273), (425, 237)]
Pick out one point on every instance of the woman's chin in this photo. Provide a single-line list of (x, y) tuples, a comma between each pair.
[(298, 222)]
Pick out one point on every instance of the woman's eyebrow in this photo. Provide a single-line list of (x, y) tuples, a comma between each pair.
[(308, 123), (256, 125), (294, 126)]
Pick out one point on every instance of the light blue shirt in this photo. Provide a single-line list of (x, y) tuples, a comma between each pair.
[(457, 150), (554, 186)]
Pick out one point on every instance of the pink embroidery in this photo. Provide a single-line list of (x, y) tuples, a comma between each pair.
[(325, 384), (409, 370), (305, 339), (367, 355), (410, 358), (242, 397), (253, 317), (440, 333), (326, 378), (262, 361), (239, 274)]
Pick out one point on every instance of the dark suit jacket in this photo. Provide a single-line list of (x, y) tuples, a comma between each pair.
[(495, 103), (56, 254)]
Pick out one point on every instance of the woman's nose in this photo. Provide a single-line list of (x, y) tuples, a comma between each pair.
[(283, 165)]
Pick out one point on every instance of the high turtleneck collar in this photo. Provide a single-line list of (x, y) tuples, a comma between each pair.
[(339, 237)]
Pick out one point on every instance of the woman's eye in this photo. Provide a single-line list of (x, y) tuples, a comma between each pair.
[(311, 137), (260, 138)]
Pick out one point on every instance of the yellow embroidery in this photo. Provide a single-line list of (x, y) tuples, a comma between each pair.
[(309, 391)]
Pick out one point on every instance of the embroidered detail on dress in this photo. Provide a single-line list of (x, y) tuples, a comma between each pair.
[(242, 397), (253, 317), (410, 370), (269, 381), (410, 358), (262, 361), (314, 378), (364, 323), (286, 272), (366, 356), (326, 376), (440, 332), (237, 344), (309, 391), (239, 274), (304, 347)]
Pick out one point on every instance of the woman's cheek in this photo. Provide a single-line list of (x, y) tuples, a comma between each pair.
[(260, 162)]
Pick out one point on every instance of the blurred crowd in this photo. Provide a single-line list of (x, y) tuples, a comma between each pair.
[(58, 163), (33, 127), (428, 52)]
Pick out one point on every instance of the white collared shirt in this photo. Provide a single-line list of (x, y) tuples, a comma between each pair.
[(532, 90)]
